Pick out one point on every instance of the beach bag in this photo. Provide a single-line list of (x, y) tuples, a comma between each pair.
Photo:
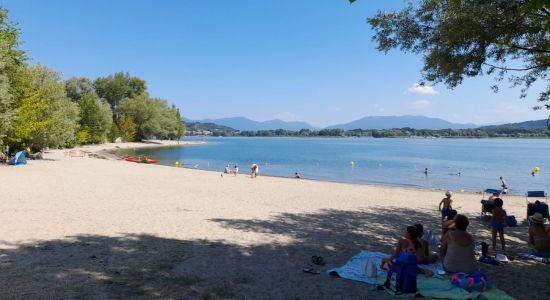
[(511, 221), (405, 269), (476, 281)]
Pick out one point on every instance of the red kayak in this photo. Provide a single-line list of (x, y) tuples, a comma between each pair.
[(144, 160), (147, 160)]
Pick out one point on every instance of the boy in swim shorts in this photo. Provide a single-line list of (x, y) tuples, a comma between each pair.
[(447, 207), (497, 223)]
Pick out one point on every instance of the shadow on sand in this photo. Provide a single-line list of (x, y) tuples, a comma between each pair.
[(144, 267)]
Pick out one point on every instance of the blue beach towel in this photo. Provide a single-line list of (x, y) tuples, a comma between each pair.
[(436, 286)]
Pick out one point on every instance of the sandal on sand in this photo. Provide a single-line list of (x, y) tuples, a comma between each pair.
[(318, 260), (311, 271)]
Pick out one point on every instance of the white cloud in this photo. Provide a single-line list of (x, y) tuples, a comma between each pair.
[(286, 116), (417, 88), (420, 103)]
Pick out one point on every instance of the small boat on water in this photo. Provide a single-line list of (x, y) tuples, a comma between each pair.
[(140, 159)]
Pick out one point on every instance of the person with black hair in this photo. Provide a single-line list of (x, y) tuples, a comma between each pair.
[(498, 219), (410, 243), (449, 222), (424, 257), (457, 248)]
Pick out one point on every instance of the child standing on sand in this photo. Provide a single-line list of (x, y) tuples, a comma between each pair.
[(497, 223), (236, 170), (447, 207)]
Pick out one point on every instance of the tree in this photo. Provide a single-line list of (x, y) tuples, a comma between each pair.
[(152, 116), (12, 81), (114, 88), (6, 113), (468, 38), (28, 120), (96, 117), (181, 126), (14, 58), (55, 113), (78, 86), (144, 112), (128, 128)]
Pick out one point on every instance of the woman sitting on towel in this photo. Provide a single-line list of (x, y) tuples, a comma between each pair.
[(410, 243), (457, 248), (539, 236)]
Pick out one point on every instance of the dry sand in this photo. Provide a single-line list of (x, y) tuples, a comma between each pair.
[(103, 228)]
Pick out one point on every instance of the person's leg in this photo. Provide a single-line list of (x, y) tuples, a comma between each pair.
[(494, 238), (502, 242), (426, 272)]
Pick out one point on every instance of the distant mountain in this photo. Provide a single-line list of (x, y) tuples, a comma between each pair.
[(242, 123), (537, 124), (197, 126), (387, 122)]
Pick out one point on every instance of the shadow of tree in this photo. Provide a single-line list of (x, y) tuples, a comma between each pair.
[(145, 266)]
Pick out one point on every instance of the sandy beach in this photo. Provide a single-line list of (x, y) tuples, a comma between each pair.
[(93, 228)]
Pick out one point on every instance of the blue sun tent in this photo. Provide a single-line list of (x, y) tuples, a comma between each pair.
[(18, 159)]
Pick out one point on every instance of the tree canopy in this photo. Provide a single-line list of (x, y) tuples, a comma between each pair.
[(467, 38), (114, 88)]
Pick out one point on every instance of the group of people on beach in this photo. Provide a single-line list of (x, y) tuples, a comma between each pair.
[(457, 246), (254, 170)]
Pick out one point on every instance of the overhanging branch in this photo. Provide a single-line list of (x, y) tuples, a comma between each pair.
[(515, 69)]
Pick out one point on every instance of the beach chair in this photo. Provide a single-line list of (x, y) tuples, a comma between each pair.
[(486, 205), (537, 202)]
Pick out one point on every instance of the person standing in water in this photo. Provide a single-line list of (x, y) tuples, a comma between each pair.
[(503, 185), (254, 170), (426, 171)]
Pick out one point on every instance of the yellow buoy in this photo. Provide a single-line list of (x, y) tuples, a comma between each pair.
[(177, 163), (352, 163), (536, 169), (462, 190)]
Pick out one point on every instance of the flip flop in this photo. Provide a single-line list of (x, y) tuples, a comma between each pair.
[(311, 271), (318, 260)]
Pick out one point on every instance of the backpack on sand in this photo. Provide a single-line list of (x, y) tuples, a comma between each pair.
[(511, 221), (476, 281), (405, 268)]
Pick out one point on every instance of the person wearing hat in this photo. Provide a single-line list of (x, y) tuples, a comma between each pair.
[(447, 207), (539, 236)]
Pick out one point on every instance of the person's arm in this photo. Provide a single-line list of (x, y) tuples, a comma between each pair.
[(451, 225), (426, 249), (396, 251), (444, 245), (531, 241), (440, 204)]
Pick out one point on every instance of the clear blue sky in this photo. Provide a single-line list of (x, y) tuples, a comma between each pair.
[(304, 60)]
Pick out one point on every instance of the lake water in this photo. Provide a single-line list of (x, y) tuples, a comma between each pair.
[(398, 162)]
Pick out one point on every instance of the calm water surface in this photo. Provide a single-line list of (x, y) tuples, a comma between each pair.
[(377, 161)]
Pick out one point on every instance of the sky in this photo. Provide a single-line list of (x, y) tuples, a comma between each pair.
[(304, 60)]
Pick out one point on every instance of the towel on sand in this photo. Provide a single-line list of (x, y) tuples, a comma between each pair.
[(436, 286)]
